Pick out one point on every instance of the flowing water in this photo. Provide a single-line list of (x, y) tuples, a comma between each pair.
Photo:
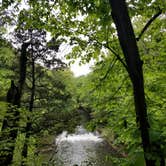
[(82, 148)]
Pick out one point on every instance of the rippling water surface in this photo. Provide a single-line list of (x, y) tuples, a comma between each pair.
[(82, 149)]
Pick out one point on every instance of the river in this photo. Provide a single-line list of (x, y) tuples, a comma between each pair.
[(82, 148)]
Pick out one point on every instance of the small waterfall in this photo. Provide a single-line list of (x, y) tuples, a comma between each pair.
[(81, 148), (81, 134)]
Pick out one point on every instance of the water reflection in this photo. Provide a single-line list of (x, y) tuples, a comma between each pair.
[(82, 149)]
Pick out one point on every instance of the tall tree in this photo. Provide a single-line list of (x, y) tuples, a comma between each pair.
[(134, 66), (42, 52), (12, 117)]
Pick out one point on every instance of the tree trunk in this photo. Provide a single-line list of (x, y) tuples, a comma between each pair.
[(14, 99), (130, 50), (9, 131), (23, 68), (31, 103)]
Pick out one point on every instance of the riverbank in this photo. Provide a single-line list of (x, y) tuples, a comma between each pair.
[(109, 137), (51, 147)]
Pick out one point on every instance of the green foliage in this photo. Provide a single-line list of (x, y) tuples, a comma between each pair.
[(3, 109), (111, 98), (6, 69), (107, 92), (54, 91), (17, 158)]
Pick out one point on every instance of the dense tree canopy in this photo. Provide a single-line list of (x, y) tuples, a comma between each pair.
[(123, 95)]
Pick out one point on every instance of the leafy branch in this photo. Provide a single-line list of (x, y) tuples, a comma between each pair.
[(112, 50)]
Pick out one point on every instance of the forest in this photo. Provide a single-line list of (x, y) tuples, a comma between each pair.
[(113, 116)]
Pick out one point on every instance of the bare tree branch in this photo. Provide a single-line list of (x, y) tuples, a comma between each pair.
[(112, 50), (119, 88), (109, 69), (117, 56), (148, 24)]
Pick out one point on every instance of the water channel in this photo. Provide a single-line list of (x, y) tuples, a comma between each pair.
[(82, 148)]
